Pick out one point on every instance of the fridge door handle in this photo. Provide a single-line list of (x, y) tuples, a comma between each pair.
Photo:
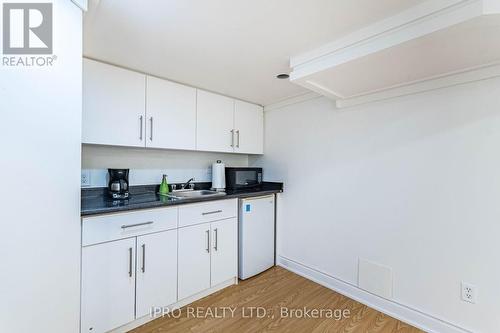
[(258, 198)]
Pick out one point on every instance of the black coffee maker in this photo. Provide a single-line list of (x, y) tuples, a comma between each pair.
[(118, 183)]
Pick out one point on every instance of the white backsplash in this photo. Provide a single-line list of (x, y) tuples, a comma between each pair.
[(148, 165), (99, 177)]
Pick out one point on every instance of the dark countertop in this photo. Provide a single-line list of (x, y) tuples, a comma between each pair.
[(96, 200)]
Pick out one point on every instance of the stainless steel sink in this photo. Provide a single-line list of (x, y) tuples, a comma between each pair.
[(195, 194)]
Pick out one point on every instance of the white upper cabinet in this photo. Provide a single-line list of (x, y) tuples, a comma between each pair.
[(170, 115), (215, 131), (228, 125), (113, 105), (126, 108), (249, 128)]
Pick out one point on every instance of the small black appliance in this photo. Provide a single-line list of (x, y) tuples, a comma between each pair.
[(243, 178), (118, 183)]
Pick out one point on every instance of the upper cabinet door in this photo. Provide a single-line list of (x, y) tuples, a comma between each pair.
[(113, 105), (249, 128), (214, 122), (170, 115)]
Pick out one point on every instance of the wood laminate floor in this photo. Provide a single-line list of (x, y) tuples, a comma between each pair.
[(277, 292)]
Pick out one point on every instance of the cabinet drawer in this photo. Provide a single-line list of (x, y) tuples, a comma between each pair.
[(106, 228), (208, 211)]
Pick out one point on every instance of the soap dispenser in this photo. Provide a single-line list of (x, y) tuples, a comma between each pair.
[(164, 190)]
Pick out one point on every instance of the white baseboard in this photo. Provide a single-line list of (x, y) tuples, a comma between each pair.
[(401, 312), (183, 302)]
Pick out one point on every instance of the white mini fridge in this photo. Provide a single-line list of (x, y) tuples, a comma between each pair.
[(256, 235)]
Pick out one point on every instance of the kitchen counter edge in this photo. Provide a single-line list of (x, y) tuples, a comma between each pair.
[(89, 212)]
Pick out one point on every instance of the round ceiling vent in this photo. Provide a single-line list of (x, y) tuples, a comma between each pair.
[(282, 76)]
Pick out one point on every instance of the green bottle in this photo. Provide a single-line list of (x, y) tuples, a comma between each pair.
[(164, 186)]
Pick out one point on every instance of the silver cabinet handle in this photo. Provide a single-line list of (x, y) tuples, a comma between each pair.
[(215, 236), (238, 139), (140, 131), (212, 212), (130, 262), (208, 241), (143, 268), (232, 138), (125, 226), (151, 132)]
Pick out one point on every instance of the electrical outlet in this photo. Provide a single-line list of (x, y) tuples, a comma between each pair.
[(469, 293), (85, 178)]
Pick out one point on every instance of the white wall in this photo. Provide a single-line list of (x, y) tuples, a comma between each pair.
[(148, 165), (411, 183), (40, 110)]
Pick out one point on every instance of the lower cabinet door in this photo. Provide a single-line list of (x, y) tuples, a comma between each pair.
[(108, 285), (156, 271), (224, 263), (194, 259)]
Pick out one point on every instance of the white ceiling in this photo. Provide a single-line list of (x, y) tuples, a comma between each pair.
[(461, 47), (233, 47)]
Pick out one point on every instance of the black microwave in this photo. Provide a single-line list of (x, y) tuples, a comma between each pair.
[(242, 178)]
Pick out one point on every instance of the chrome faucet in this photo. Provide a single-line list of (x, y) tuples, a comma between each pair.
[(188, 184)]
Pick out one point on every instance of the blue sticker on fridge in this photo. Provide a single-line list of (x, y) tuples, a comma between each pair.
[(247, 208)]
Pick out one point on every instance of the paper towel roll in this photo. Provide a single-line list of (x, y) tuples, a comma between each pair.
[(219, 176)]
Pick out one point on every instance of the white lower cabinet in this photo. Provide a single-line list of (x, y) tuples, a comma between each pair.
[(208, 255), (194, 259), (134, 261), (123, 279), (224, 252), (156, 271), (108, 285)]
